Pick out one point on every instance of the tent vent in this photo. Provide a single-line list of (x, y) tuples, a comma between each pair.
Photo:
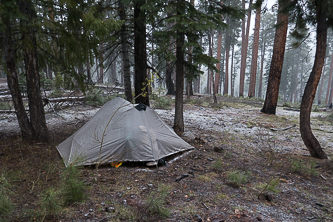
[(141, 106)]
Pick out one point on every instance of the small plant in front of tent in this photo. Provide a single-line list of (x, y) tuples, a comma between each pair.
[(6, 205), (156, 202), (73, 187)]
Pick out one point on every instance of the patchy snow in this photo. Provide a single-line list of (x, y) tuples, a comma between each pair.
[(246, 122)]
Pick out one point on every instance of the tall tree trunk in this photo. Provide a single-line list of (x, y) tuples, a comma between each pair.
[(218, 57), (252, 87), (274, 78), (89, 80), (13, 82), (321, 83), (310, 89), (209, 76), (218, 65), (296, 82), (245, 42), (189, 78), (36, 108), (168, 78), (329, 86), (331, 94), (140, 55), (124, 53), (232, 70), (179, 119), (101, 67), (226, 78), (263, 48)]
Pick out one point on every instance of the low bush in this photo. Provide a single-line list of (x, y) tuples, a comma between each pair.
[(6, 205), (156, 202), (162, 102), (302, 167), (238, 177), (73, 187)]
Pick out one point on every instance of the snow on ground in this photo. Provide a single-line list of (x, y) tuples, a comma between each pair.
[(247, 122)]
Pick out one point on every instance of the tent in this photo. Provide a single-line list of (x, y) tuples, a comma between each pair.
[(121, 131)]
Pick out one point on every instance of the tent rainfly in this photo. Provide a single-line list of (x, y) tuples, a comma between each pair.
[(121, 131)]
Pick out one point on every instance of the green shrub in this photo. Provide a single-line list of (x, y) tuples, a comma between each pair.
[(56, 93), (58, 81), (271, 186), (238, 177), (95, 97), (300, 166), (50, 203), (5, 106), (48, 84), (157, 200), (286, 104), (162, 102), (217, 165), (6, 205), (73, 187)]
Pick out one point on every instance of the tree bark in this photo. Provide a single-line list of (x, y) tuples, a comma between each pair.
[(310, 89), (329, 86), (232, 70), (124, 53), (296, 82), (321, 83), (226, 78), (101, 68), (179, 119), (274, 78), (252, 87), (245, 43), (218, 65), (140, 55), (13, 82), (36, 108), (263, 49)]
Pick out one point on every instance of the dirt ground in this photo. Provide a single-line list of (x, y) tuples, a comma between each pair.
[(233, 138)]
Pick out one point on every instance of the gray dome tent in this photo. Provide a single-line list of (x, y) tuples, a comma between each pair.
[(130, 134)]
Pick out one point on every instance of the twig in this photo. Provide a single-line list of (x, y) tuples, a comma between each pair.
[(324, 178), (205, 206)]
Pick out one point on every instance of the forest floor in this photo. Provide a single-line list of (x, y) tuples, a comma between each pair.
[(243, 168)]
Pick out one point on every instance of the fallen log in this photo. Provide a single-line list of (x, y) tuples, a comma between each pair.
[(289, 127)]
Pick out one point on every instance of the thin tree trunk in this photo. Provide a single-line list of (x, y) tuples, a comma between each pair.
[(232, 70), (274, 78), (36, 108), (124, 52), (218, 65), (263, 49), (13, 82), (310, 89), (101, 68), (209, 77), (88, 72), (245, 42), (252, 87), (321, 83), (296, 82), (329, 81), (179, 119), (226, 78), (168, 79), (140, 55), (331, 93)]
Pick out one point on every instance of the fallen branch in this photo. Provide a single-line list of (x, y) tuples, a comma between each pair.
[(289, 127), (181, 177)]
